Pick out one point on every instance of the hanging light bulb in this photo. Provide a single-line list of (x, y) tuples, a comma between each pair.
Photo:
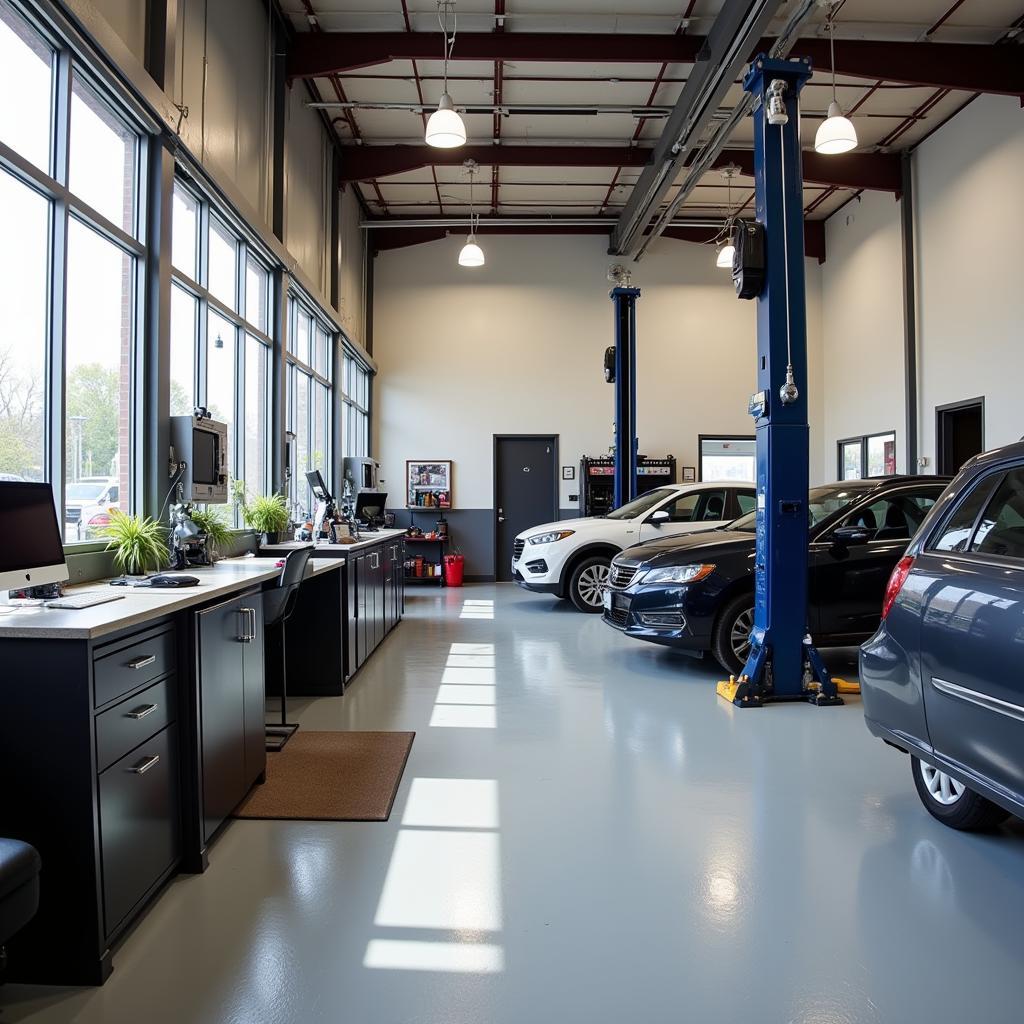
[(725, 255), (836, 133), (471, 255), (445, 128), (726, 250)]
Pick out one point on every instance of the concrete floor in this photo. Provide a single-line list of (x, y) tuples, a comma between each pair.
[(584, 833)]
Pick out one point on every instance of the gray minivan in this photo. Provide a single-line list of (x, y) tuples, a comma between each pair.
[(943, 678)]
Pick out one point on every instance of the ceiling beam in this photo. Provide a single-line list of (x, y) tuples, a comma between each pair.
[(973, 67), (874, 171)]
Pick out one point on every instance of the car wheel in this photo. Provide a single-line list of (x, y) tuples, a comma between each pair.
[(587, 582), (951, 801), (730, 642)]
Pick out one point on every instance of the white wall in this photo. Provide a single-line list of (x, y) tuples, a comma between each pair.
[(517, 347), (862, 326), (128, 19), (353, 284), (970, 210)]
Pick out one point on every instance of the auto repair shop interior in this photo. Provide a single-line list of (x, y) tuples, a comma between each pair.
[(511, 511)]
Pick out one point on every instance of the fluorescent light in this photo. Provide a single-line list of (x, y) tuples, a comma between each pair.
[(445, 129), (836, 133)]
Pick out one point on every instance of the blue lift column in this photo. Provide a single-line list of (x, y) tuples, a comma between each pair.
[(783, 664), (624, 300)]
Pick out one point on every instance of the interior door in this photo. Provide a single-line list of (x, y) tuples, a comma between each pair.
[(525, 491), (960, 431)]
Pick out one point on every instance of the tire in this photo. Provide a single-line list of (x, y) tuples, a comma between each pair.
[(585, 584), (735, 620), (953, 803)]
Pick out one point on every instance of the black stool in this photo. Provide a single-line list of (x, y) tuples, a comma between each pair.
[(19, 890), (278, 604)]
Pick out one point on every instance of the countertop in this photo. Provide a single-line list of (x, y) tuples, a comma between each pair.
[(141, 604), (333, 550)]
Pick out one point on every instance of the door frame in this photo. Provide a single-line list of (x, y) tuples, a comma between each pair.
[(556, 476), (967, 403)]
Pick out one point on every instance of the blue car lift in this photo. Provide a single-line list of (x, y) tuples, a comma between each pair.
[(783, 664), (624, 300)]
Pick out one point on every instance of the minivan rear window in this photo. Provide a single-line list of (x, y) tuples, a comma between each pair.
[(1001, 527), (955, 534)]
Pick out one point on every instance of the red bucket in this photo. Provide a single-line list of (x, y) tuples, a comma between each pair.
[(453, 566)]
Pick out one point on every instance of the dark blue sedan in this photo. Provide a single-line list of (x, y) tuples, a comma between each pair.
[(942, 677)]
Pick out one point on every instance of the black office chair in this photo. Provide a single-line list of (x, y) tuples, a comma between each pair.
[(19, 890), (278, 605)]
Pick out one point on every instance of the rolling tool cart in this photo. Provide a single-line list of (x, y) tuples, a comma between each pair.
[(597, 478)]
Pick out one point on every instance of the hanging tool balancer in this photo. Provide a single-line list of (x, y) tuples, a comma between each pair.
[(769, 264)]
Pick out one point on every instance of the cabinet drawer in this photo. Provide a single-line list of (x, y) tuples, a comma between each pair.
[(132, 665), (139, 823), (124, 727)]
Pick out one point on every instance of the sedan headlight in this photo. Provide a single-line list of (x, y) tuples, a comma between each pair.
[(550, 538), (678, 574)]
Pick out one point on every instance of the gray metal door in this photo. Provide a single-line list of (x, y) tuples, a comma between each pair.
[(525, 491)]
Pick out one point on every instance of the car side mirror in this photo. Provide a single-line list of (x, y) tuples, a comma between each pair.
[(659, 517), (851, 535)]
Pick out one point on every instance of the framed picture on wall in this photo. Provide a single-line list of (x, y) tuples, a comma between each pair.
[(689, 474), (428, 484)]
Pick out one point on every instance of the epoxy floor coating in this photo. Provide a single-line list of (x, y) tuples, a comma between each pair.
[(584, 833)]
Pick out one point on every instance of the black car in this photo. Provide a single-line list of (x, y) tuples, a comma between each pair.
[(942, 676), (696, 593)]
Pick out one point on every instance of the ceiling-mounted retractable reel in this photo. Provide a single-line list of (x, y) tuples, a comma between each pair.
[(748, 262)]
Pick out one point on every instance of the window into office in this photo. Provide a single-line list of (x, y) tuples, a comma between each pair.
[(355, 388), (70, 278), (728, 458), (220, 345), (310, 342), (868, 455)]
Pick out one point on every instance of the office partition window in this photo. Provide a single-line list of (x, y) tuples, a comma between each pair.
[(356, 403), (72, 261), (310, 396), (220, 342)]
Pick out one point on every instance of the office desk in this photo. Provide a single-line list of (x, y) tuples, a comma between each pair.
[(129, 732)]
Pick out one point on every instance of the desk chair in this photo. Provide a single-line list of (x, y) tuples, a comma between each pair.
[(19, 890), (278, 605)]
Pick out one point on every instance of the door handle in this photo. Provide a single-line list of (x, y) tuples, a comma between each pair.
[(501, 519), (252, 612), (142, 662), (145, 764), (142, 711), (250, 616)]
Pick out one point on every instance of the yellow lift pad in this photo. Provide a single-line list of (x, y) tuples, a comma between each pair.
[(728, 688)]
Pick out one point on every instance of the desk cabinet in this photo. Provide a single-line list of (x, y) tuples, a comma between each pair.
[(373, 598)]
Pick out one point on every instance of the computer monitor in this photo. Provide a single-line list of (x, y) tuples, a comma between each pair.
[(31, 552), (370, 506), (317, 485)]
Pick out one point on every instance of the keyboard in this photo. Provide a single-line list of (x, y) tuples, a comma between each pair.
[(85, 601)]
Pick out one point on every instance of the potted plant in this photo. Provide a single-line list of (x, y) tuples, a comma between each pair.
[(266, 514), (138, 542), (214, 525)]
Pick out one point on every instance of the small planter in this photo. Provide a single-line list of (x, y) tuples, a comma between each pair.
[(274, 537)]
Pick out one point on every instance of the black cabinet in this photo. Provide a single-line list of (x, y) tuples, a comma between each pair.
[(229, 641), (373, 598)]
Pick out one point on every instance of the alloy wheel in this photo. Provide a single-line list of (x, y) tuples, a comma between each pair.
[(591, 583), (942, 788), (739, 636)]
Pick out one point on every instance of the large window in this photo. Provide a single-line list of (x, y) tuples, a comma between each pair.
[(869, 455), (220, 345), (355, 388), (728, 458), (309, 399), (70, 279)]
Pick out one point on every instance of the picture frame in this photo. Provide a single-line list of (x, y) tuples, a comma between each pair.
[(568, 472), (428, 483), (689, 474)]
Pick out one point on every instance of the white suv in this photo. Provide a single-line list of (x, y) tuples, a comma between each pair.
[(571, 558)]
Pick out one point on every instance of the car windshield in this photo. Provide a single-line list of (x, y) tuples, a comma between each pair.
[(86, 491), (822, 502), (638, 506)]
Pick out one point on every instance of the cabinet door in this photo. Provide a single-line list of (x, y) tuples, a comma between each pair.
[(221, 690), (254, 695), (351, 617), (363, 603), (378, 595)]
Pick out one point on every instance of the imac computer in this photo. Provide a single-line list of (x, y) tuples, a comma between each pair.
[(31, 552)]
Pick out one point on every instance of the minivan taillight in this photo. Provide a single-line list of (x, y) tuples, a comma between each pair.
[(896, 581)]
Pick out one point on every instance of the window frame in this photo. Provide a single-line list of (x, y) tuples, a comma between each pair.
[(863, 440), (68, 63), (701, 438)]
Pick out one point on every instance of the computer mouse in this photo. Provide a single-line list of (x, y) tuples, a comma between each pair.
[(173, 580)]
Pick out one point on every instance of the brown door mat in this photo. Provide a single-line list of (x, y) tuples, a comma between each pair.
[(331, 776)]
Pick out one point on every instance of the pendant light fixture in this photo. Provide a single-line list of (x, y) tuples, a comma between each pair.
[(726, 248), (836, 133), (471, 255), (445, 129)]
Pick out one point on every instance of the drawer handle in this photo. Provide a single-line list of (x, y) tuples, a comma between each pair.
[(141, 711), (145, 764), (142, 661)]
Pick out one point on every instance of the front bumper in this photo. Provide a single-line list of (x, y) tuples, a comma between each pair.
[(532, 585), (668, 615), (539, 567)]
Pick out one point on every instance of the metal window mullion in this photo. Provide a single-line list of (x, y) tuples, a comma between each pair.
[(107, 228)]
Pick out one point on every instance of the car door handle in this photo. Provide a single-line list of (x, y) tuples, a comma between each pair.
[(501, 519)]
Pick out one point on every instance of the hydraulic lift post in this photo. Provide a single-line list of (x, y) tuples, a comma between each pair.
[(624, 300), (783, 663)]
